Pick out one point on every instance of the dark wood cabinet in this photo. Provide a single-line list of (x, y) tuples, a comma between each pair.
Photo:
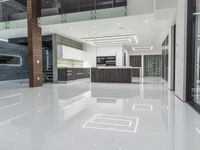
[(136, 61), (70, 74), (62, 74), (136, 72), (67, 74)]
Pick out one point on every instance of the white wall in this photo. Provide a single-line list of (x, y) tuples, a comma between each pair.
[(171, 22), (137, 7), (171, 56), (91, 54), (181, 25), (127, 58), (162, 4), (171, 60)]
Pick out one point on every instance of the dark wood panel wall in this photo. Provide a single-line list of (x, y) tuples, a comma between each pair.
[(34, 43)]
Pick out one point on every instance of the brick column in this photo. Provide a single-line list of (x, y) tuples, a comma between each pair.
[(34, 44)]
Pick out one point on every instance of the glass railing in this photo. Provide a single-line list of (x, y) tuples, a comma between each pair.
[(55, 7), (11, 10)]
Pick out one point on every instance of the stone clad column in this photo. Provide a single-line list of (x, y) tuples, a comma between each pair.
[(34, 44)]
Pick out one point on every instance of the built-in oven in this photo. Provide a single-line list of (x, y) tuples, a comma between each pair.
[(111, 61), (106, 61), (101, 61)]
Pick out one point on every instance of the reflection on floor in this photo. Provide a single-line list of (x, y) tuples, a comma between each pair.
[(96, 116)]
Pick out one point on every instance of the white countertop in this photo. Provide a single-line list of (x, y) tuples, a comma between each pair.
[(125, 67), (74, 67)]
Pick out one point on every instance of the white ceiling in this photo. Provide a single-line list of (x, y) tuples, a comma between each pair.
[(148, 29)]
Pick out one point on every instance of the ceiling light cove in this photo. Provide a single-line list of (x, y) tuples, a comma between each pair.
[(139, 48), (112, 40)]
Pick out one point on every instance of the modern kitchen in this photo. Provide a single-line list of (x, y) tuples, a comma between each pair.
[(107, 66), (99, 59), (107, 59)]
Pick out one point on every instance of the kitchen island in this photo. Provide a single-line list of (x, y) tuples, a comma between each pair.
[(73, 73), (111, 74)]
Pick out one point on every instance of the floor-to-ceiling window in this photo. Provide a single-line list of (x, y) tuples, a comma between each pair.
[(193, 53), (196, 87)]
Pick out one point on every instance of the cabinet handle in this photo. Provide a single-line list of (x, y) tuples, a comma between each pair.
[(79, 73)]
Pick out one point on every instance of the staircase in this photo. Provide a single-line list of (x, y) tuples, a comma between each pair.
[(48, 74)]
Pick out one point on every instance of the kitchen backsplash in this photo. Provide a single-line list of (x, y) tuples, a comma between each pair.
[(69, 63)]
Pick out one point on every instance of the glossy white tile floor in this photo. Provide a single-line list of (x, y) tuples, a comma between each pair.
[(85, 116)]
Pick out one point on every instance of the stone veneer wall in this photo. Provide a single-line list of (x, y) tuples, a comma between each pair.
[(14, 72)]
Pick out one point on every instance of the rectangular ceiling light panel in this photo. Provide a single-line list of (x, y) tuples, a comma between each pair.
[(138, 48), (110, 40)]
